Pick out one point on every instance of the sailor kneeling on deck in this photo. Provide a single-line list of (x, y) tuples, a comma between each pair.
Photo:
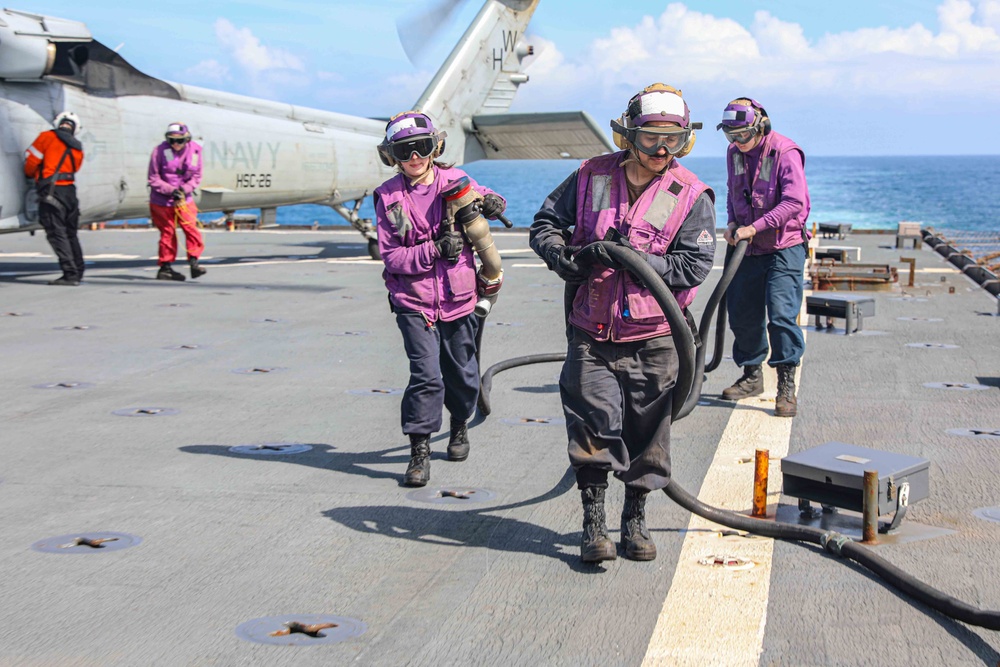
[(621, 365), (430, 273)]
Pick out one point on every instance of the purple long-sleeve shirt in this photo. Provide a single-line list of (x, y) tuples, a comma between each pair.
[(170, 170)]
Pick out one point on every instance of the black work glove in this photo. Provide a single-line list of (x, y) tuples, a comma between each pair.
[(560, 260), (492, 206), (449, 244), (601, 255), (178, 195)]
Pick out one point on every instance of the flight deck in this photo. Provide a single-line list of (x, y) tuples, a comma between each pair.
[(231, 448)]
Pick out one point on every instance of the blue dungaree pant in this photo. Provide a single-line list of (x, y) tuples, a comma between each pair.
[(443, 370), (763, 302)]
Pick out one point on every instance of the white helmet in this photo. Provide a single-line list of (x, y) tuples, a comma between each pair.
[(68, 117)]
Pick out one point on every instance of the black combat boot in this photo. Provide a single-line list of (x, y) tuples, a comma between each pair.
[(418, 473), (167, 272), (751, 384), (196, 271), (785, 404), (636, 541), (66, 282), (596, 545), (458, 443)]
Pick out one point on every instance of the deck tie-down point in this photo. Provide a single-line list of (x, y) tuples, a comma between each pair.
[(461, 495), (312, 630), (97, 543)]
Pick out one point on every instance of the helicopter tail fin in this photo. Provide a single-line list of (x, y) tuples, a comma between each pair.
[(481, 76)]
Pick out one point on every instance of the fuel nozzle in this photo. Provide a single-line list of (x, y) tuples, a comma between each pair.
[(463, 205)]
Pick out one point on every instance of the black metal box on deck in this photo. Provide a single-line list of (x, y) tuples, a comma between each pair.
[(833, 474), (853, 308)]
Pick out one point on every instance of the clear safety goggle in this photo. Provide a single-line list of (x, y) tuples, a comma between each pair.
[(740, 135), (423, 146), (650, 141)]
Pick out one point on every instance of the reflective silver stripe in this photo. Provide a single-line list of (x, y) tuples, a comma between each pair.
[(738, 166), (34, 151), (659, 211), (194, 160), (397, 216), (765, 167), (600, 188)]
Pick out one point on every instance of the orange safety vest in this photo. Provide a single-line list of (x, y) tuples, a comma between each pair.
[(41, 158)]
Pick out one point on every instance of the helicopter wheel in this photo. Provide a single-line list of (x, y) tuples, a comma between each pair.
[(373, 249)]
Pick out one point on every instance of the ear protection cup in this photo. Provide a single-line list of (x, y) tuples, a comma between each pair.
[(383, 154), (619, 139), (688, 147)]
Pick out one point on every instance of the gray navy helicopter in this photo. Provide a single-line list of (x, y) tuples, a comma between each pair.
[(257, 153)]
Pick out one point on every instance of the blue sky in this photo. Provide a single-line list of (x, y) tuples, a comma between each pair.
[(909, 77)]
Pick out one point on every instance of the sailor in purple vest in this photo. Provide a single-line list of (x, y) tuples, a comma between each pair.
[(621, 365), (430, 272), (768, 203)]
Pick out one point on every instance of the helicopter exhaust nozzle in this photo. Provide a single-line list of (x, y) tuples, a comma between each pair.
[(29, 43)]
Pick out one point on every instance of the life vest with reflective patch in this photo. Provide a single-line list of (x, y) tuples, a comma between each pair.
[(753, 195), (447, 290), (612, 305)]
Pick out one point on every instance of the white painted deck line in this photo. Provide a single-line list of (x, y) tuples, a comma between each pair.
[(713, 616)]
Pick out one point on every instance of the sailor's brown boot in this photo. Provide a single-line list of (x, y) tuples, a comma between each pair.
[(785, 404), (458, 443), (636, 540), (596, 545), (418, 473), (750, 384)]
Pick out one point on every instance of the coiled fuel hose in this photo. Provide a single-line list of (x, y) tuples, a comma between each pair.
[(691, 361)]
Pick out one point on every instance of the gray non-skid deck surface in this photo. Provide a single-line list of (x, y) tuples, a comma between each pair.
[(228, 538)]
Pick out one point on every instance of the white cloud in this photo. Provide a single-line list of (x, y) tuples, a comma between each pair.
[(696, 50), (208, 70), (250, 54)]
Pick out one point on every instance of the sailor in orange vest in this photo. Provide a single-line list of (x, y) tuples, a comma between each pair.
[(53, 160)]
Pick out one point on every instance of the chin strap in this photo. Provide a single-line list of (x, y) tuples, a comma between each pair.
[(633, 158), (417, 179)]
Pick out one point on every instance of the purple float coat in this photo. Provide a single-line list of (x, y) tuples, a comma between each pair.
[(611, 305), (772, 175), (170, 170), (409, 219)]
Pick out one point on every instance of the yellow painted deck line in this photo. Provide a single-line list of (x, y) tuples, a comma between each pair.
[(714, 616)]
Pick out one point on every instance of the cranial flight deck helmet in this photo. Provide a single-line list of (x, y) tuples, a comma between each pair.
[(68, 117), (657, 102), (407, 133), (743, 119), (178, 131)]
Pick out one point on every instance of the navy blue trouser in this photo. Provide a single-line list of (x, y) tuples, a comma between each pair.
[(617, 398), (443, 370), (763, 302)]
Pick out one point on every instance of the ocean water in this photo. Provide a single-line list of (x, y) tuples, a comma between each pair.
[(954, 193)]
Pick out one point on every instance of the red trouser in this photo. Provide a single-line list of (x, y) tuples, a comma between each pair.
[(166, 219)]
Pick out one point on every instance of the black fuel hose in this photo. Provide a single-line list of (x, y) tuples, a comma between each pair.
[(832, 541), (734, 255), (728, 271)]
